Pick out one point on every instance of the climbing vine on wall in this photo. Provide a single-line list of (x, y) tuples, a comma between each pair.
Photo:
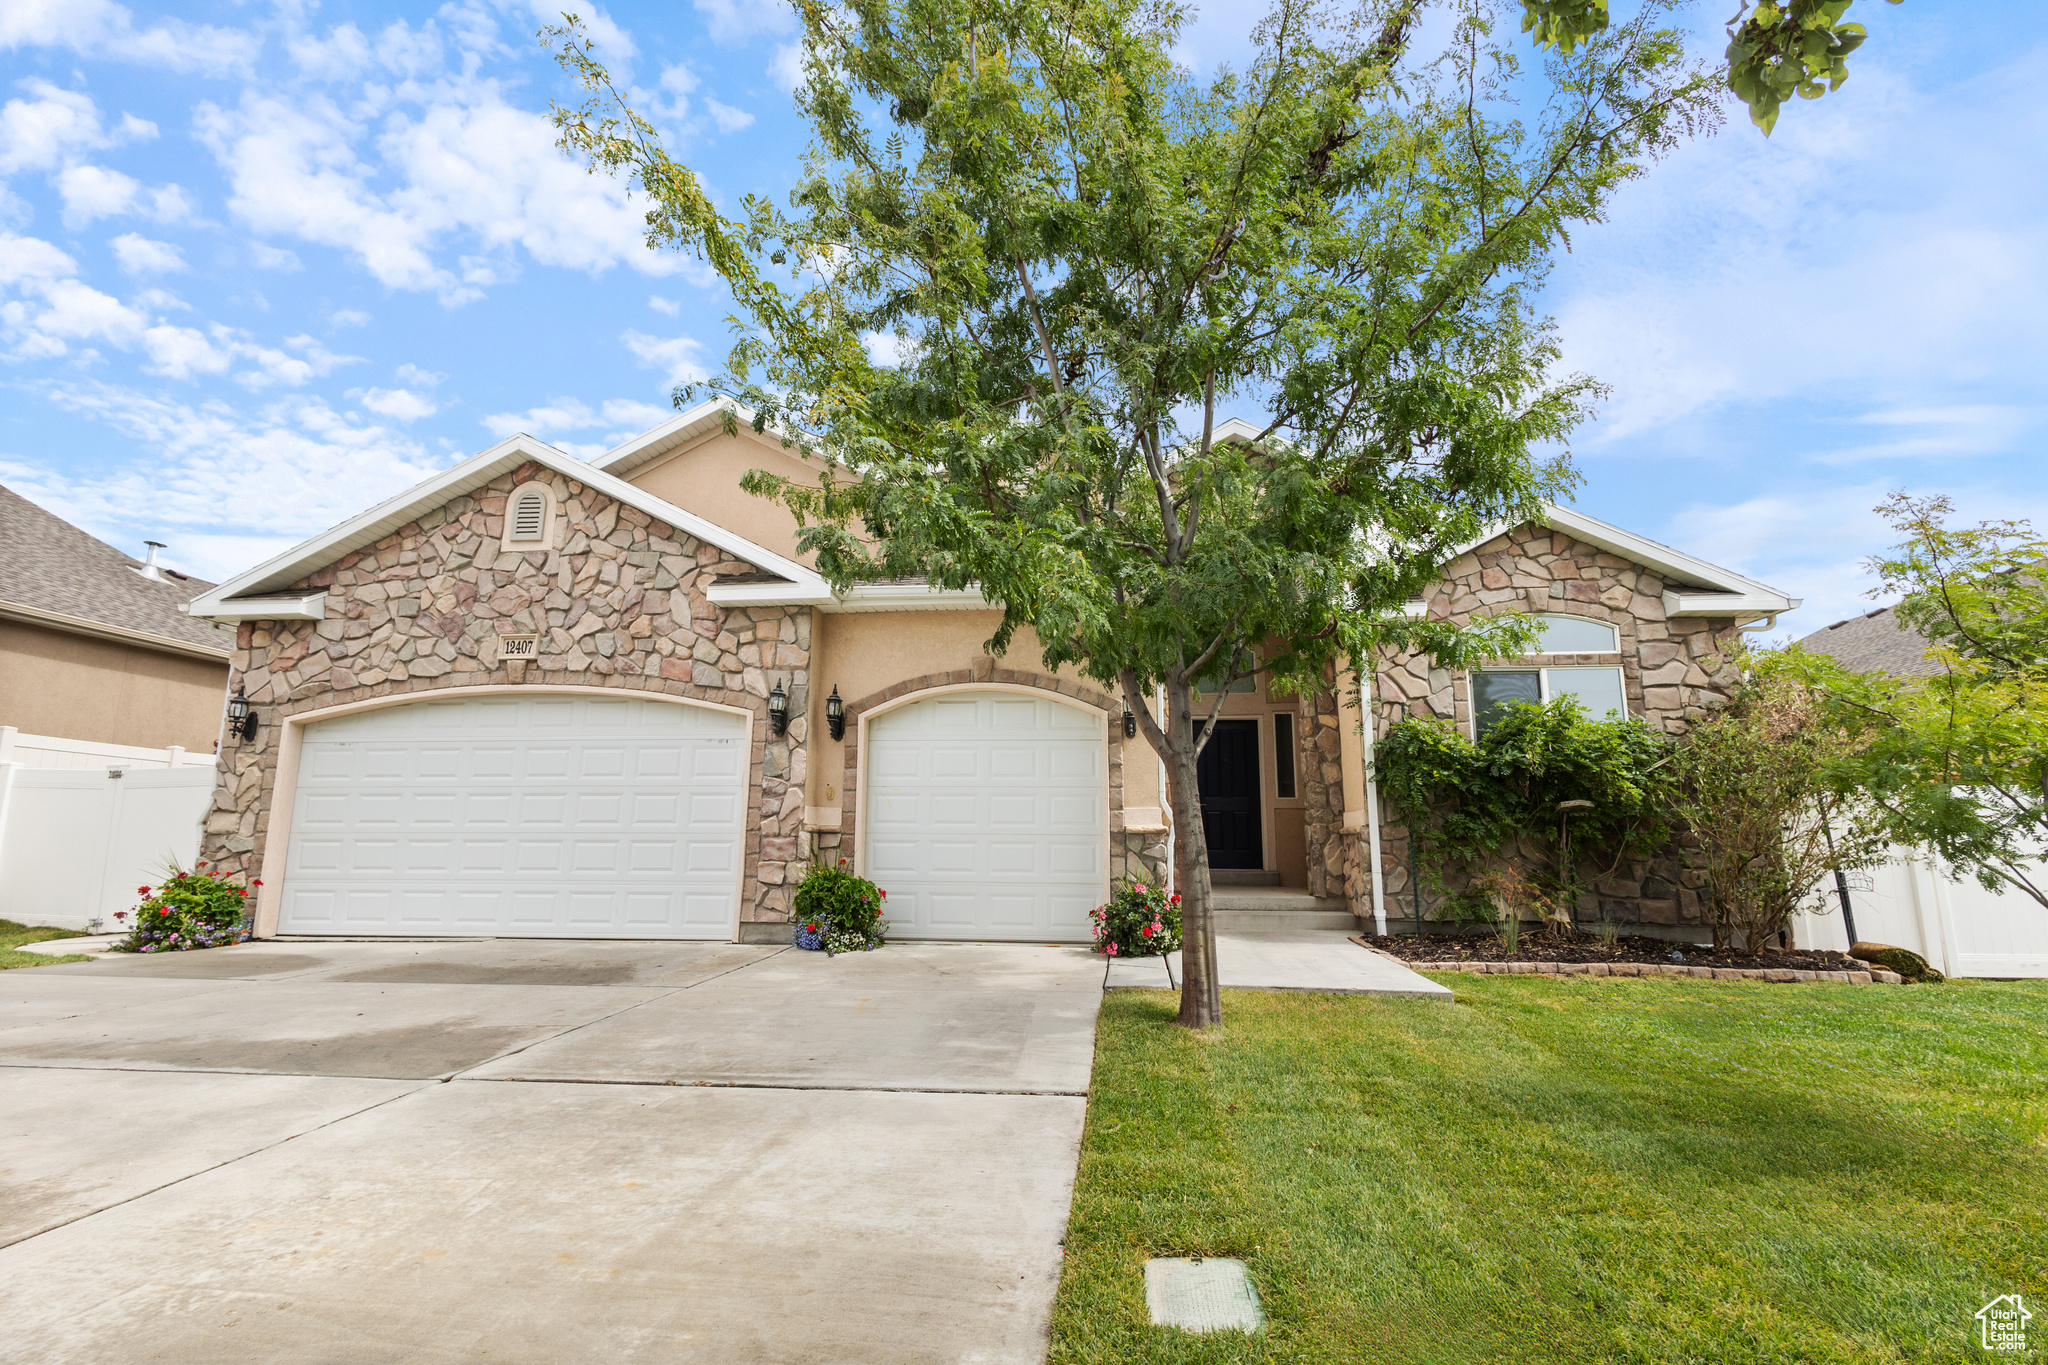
[(1528, 779)]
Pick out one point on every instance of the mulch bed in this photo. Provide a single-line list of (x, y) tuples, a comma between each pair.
[(1558, 948)]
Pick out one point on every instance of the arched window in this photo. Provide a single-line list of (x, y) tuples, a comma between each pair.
[(1599, 689)]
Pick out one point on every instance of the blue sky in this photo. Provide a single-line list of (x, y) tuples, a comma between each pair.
[(264, 264)]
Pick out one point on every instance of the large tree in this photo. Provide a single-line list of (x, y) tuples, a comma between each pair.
[(1078, 258)]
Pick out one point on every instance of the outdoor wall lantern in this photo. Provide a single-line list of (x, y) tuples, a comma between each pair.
[(241, 719), (778, 711), (835, 714), (1130, 722)]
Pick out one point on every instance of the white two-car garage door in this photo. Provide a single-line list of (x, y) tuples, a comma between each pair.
[(531, 816), (986, 817)]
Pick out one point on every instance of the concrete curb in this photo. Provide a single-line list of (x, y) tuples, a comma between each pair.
[(1786, 975)]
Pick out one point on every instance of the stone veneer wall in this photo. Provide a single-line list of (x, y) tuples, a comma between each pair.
[(1136, 853), (1674, 670), (619, 603)]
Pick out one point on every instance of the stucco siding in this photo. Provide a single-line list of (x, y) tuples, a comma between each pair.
[(54, 682)]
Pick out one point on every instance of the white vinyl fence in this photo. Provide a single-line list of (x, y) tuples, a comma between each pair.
[(1959, 927), (76, 842), (49, 751)]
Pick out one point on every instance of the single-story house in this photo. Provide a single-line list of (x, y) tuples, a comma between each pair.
[(97, 660), (541, 696)]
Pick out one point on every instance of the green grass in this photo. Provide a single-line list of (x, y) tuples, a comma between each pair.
[(1572, 1171), (13, 935)]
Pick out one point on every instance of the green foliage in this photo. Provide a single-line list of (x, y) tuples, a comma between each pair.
[(1956, 760), (1470, 801), (1759, 788), (1138, 920), (186, 911), (1078, 253), (845, 910), (1776, 48)]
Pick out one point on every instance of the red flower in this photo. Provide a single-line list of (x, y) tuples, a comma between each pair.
[(142, 891), (120, 914), (163, 912), (1175, 898), (1146, 931), (200, 863), (256, 881)]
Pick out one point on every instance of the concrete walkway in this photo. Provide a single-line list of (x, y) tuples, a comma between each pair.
[(1286, 960), (548, 1152)]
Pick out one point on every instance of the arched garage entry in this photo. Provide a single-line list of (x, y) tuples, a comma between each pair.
[(985, 814), (520, 814)]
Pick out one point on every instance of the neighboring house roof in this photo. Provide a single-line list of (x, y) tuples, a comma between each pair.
[(255, 595), (53, 574), (1876, 641), (1726, 592)]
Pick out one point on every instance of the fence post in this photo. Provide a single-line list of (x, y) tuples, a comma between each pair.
[(176, 754)]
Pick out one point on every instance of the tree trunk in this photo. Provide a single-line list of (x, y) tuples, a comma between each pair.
[(1201, 999)]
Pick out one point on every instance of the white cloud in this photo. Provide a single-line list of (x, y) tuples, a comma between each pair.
[(737, 21), (1876, 253), (139, 255), (472, 169), (678, 79), (418, 378), (274, 258), (100, 28), (401, 405), (209, 466), (786, 67), (675, 355), (94, 192), (728, 119), (55, 126), (662, 305), (887, 348), (614, 45), (349, 317), (621, 417)]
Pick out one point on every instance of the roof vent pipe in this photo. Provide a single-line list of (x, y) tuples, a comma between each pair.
[(153, 570)]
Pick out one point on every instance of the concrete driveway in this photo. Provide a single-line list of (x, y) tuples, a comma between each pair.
[(520, 1151)]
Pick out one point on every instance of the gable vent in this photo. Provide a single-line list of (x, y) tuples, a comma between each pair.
[(528, 514)]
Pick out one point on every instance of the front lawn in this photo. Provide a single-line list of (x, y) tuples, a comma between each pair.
[(1572, 1170), (13, 935)]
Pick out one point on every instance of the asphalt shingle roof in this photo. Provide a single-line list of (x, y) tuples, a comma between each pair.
[(50, 565), (1871, 642)]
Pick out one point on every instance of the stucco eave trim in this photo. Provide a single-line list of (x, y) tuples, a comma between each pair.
[(78, 625)]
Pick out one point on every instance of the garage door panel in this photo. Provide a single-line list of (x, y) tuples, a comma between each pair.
[(542, 816), (984, 816)]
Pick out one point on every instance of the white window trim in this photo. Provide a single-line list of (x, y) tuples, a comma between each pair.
[(546, 539), (1542, 672)]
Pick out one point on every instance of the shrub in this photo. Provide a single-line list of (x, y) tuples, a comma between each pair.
[(1137, 921), (838, 911), (185, 911)]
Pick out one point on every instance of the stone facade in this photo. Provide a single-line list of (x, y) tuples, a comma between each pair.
[(1674, 669), (619, 601)]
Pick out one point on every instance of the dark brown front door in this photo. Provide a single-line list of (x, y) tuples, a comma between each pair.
[(1228, 772)]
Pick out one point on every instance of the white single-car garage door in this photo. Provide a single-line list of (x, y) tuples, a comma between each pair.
[(529, 816), (986, 817)]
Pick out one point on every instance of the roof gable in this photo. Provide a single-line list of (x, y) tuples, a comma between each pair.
[(245, 596), (1728, 593)]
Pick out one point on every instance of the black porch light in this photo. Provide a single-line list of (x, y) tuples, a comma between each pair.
[(778, 710), (1130, 722), (835, 714), (241, 719)]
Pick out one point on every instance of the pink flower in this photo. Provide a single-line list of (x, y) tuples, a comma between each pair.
[(1111, 950), (1140, 888)]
